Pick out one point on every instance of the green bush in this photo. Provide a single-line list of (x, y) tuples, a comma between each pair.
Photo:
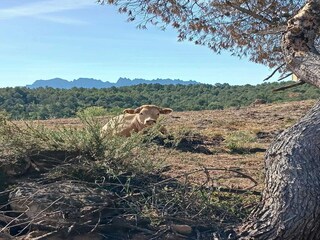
[(93, 112), (239, 141)]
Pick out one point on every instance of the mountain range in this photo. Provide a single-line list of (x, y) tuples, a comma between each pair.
[(94, 83)]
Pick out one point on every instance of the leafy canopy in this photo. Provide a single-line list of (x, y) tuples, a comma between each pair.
[(249, 28)]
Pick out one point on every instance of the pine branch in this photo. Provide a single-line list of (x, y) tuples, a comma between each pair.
[(274, 72), (250, 13), (288, 86)]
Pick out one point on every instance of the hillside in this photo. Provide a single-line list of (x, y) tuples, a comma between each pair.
[(94, 83), (200, 186), (45, 103)]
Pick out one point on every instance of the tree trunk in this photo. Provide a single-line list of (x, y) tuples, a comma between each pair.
[(290, 206)]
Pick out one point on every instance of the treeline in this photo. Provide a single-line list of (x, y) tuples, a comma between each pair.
[(44, 103)]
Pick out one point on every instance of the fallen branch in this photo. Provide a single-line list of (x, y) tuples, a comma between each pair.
[(44, 236), (233, 190), (12, 221), (206, 169), (41, 212)]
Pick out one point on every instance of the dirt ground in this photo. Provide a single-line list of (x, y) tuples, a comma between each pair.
[(261, 123), (229, 144)]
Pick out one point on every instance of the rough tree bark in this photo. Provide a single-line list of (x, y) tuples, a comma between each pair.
[(290, 206)]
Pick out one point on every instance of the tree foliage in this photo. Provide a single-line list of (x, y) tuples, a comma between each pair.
[(245, 28), (44, 103)]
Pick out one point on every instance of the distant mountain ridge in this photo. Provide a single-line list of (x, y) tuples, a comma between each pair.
[(94, 83)]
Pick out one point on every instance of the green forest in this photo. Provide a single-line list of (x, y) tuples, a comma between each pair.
[(45, 103)]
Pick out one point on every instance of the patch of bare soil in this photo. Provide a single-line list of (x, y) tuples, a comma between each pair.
[(210, 130)]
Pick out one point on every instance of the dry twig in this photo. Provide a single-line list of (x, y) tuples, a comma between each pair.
[(289, 86)]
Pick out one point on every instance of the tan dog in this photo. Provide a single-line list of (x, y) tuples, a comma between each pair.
[(135, 120)]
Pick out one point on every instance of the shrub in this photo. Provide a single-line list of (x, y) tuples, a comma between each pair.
[(239, 141), (93, 111)]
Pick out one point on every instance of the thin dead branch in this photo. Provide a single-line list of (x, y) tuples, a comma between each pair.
[(12, 221), (205, 170), (285, 76), (43, 236), (288, 86), (270, 76), (250, 13)]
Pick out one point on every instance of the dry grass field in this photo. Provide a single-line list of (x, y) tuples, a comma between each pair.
[(206, 175), (232, 139)]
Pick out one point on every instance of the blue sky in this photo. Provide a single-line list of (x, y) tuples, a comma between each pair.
[(43, 39)]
